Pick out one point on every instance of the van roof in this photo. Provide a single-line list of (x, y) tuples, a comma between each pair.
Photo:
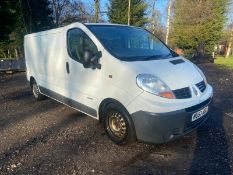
[(57, 30), (50, 31), (112, 24)]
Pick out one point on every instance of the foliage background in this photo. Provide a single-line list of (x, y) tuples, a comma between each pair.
[(197, 26)]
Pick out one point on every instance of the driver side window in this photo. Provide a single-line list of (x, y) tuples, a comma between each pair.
[(78, 42)]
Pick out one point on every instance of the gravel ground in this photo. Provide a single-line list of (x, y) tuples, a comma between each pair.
[(49, 138)]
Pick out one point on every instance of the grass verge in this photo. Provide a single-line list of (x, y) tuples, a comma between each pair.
[(226, 62)]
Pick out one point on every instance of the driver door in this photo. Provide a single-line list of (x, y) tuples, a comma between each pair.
[(82, 83)]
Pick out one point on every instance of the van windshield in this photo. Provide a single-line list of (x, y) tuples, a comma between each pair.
[(131, 43)]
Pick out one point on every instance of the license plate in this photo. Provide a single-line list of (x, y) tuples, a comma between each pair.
[(200, 113)]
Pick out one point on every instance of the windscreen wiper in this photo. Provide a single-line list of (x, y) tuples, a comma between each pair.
[(157, 57), (168, 55), (152, 57)]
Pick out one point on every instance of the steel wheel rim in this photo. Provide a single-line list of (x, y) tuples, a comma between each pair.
[(117, 124), (35, 90)]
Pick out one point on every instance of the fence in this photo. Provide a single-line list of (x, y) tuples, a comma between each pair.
[(12, 65)]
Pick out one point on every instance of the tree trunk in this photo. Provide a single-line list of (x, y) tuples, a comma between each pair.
[(229, 44), (153, 16), (129, 9), (21, 9), (30, 17), (200, 50), (97, 9), (168, 20), (16, 53), (55, 4)]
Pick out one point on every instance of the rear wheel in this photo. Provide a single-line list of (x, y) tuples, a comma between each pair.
[(36, 92), (118, 124)]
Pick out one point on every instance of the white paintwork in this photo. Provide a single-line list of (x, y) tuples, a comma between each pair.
[(46, 56)]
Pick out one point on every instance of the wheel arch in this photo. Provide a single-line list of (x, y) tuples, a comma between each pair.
[(106, 102)]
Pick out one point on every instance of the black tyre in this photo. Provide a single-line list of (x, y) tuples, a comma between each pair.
[(118, 124), (36, 92)]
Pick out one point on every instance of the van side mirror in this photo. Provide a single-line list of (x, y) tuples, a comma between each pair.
[(92, 61)]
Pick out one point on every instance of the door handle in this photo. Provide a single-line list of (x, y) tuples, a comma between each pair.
[(67, 68)]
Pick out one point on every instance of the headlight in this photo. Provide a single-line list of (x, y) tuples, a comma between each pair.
[(152, 84)]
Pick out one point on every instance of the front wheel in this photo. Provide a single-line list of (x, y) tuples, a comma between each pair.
[(118, 124)]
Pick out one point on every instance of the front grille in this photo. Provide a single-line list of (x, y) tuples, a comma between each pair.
[(201, 86), (182, 93), (198, 106)]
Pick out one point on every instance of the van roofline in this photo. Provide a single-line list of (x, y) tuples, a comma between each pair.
[(109, 24), (59, 29)]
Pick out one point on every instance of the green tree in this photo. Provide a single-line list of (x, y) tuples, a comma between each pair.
[(8, 15), (118, 12), (198, 25), (19, 17), (37, 15), (34, 16)]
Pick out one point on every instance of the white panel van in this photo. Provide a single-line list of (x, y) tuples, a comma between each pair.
[(121, 75)]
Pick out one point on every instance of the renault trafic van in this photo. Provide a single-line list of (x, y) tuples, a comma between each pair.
[(121, 75)]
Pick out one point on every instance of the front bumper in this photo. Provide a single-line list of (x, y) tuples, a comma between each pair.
[(164, 127)]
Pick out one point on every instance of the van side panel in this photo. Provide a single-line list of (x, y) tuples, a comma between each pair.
[(45, 59)]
